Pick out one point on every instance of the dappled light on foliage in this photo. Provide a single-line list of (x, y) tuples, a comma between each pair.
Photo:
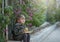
[(36, 11)]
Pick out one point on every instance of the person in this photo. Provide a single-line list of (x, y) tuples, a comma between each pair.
[(20, 31)]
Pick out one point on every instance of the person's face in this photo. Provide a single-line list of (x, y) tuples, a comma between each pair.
[(22, 20)]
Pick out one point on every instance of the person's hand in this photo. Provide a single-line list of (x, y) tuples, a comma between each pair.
[(26, 30)]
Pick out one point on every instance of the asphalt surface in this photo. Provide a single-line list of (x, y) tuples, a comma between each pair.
[(53, 37)]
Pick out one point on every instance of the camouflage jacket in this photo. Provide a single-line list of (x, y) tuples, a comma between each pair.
[(18, 31)]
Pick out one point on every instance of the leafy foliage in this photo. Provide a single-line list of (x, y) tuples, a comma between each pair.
[(0, 1), (5, 19), (35, 14)]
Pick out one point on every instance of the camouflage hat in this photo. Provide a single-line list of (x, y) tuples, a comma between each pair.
[(22, 16)]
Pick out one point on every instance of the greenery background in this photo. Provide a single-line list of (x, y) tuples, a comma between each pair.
[(36, 12)]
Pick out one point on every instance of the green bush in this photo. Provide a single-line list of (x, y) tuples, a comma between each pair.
[(5, 19), (52, 18), (38, 19), (2, 25), (58, 14), (0, 1)]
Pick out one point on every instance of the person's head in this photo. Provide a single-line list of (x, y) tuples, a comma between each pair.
[(21, 19)]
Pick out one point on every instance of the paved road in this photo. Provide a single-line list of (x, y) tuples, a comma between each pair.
[(40, 36), (53, 37)]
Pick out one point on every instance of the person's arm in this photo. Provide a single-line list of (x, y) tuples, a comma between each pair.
[(27, 31), (16, 31)]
